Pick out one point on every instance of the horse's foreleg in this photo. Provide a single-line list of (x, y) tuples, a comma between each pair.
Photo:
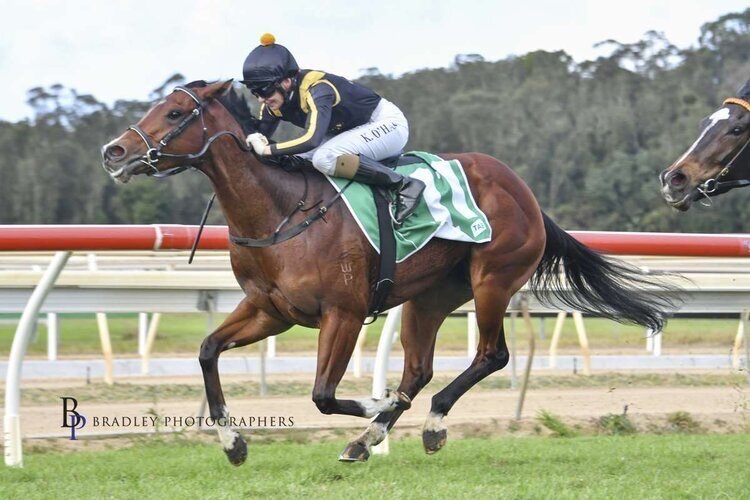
[(420, 321), (338, 336), (246, 325)]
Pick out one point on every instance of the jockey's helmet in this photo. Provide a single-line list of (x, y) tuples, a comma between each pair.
[(268, 64)]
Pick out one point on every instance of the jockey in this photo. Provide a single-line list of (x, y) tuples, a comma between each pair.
[(348, 128)]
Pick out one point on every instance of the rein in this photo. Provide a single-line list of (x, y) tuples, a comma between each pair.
[(713, 186), (279, 236), (154, 153)]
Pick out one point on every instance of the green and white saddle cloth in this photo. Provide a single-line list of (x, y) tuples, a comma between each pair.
[(447, 209)]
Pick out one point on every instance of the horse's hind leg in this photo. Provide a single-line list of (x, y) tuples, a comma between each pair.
[(246, 325), (420, 320), (492, 293)]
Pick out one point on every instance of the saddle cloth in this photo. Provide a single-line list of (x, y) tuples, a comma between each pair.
[(447, 209)]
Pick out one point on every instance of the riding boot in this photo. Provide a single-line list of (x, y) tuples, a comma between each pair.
[(368, 171)]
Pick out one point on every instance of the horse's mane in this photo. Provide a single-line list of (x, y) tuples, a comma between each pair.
[(237, 105)]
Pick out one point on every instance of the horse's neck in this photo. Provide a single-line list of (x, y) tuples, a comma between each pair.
[(253, 196)]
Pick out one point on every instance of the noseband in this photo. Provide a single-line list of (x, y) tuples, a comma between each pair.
[(713, 186), (154, 152)]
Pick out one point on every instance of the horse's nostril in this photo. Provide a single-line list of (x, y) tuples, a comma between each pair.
[(114, 152), (677, 179)]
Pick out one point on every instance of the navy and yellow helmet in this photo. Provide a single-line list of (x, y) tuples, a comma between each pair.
[(268, 63)]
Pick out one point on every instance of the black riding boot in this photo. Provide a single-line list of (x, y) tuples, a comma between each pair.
[(408, 190)]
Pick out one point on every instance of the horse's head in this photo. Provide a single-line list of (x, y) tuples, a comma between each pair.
[(715, 163), (171, 136)]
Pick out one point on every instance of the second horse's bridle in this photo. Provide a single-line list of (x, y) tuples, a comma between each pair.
[(713, 186)]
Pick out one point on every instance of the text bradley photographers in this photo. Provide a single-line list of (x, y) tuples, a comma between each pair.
[(181, 421), (74, 419)]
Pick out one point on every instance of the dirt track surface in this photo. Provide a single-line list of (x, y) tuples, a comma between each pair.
[(716, 408)]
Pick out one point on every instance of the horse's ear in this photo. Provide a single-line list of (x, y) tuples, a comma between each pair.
[(218, 89), (744, 91)]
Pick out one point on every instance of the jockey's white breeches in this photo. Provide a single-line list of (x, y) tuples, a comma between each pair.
[(385, 135)]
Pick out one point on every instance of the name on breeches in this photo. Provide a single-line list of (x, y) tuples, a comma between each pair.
[(378, 132)]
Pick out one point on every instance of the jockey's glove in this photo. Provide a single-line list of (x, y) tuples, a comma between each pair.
[(259, 143)]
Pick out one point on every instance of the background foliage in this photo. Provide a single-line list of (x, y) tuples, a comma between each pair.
[(589, 138)]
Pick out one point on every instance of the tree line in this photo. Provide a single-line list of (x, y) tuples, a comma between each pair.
[(588, 137)]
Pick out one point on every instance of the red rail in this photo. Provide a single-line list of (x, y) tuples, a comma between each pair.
[(154, 237), (177, 237), (667, 244)]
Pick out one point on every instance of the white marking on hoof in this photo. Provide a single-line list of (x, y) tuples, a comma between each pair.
[(375, 434), (226, 435), (434, 423), (372, 407)]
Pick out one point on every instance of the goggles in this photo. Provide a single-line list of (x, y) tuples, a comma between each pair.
[(265, 91)]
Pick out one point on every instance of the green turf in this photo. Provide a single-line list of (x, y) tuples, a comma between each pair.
[(183, 333), (638, 467)]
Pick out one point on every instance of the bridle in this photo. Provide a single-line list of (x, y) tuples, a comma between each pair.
[(154, 152), (712, 187)]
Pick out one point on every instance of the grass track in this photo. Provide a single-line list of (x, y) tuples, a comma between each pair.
[(643, 466)]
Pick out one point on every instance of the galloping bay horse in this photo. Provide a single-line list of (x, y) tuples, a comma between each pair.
[(718, 160), (300, 281)]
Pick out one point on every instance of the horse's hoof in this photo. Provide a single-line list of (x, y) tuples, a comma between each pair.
[(354, 452), (238, 453), (434, 440), (404, 402)]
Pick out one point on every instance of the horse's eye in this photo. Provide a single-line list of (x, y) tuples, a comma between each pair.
[(736, 131), (173, 115)]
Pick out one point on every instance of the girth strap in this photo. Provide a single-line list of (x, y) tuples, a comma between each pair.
[(387, 257)]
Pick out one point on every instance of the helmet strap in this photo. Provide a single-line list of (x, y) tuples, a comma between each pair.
[(284, 92)]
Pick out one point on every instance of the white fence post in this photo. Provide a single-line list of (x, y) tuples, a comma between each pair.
[(26, 325), (584, 341), (380, 372), (271, 347), (101, 321), (559, 322), (741, 333), (529, 359), (357, 357), (142, 332), (263, 352), (150, 337), (52, 335), (657, 343)]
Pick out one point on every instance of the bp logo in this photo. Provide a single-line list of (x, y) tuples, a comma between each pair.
[(71, 418)]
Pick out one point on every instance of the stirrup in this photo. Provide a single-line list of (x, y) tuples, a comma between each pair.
[(406, 203), (403, 212)]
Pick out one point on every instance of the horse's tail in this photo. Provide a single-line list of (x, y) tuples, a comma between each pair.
[(587, 281)]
